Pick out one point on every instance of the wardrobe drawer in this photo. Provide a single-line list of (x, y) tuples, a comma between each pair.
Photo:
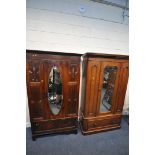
[(54, 124), (99, 123)]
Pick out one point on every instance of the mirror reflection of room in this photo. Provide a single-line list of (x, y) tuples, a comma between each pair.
[(55, 96), (107, 88)]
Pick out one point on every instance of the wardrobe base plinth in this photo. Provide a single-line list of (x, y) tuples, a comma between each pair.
[(51, 133), (94, 131)]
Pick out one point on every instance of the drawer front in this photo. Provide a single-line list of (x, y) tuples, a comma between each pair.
[(54, 124), (99, 123)]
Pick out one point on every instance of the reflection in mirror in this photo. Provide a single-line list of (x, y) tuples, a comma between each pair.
[(55, 96), (107, 88)]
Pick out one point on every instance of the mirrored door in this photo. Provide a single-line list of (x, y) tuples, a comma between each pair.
[(107, 87), (55, 94), (54, 89)]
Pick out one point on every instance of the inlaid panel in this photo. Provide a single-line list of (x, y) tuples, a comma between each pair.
[(72, 98), (37, 108), (36, 100), (73, 72), (34, 71)]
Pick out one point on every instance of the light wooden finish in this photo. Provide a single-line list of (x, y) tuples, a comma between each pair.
[(92, 120)]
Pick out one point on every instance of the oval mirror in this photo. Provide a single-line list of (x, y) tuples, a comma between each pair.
[(55, 96)]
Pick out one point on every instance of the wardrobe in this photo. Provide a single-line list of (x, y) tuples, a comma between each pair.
[(53, 80), (104, 83), (53, 91)]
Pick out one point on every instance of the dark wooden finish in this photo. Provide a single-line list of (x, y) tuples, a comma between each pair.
[(43, 121), (92, 120)]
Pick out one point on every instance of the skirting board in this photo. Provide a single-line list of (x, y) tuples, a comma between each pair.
[(125, 112), (28, 124)]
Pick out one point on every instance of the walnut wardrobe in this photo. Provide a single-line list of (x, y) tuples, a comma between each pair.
[(53, 91), (104, 83)]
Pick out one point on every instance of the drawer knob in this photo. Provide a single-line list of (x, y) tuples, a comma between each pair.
[(113, 121)]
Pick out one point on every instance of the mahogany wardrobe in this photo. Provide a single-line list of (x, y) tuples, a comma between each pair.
[(53, 91)]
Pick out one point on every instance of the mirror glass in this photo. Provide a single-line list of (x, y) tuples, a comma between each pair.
[(109, 77), (55, 96)]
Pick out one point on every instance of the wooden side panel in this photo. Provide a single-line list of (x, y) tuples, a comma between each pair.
[(83, 88), (122, 86), (35, 88), (93, 74), (73, 88)]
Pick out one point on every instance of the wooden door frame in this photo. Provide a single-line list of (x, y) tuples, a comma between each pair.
[(47, 69), (114, 101)]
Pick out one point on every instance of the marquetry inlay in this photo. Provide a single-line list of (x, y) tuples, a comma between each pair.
[(73, 71), (34, 72)]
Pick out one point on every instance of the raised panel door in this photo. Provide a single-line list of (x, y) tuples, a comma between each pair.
[(92, 84)]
